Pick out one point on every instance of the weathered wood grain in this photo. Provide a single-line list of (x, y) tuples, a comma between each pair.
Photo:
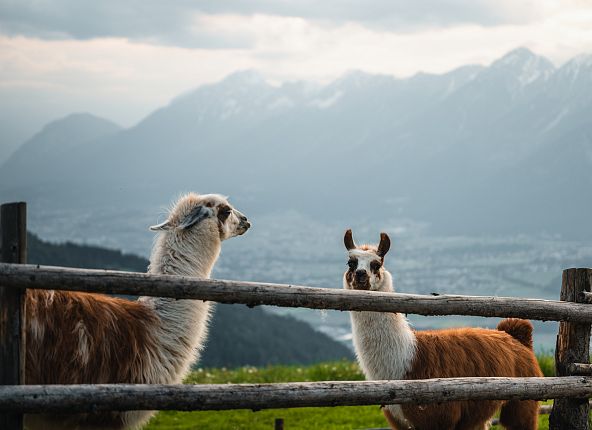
[(254, 294), (586, 297), (13, 237), (573, 346), (579, 369), (121, 397)]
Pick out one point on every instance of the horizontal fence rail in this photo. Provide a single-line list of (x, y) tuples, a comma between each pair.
[(254, 294), (123, 397)]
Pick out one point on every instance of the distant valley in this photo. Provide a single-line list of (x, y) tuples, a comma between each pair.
[(482, 176)]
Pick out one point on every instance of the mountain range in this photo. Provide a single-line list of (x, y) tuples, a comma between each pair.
[(502, 149)]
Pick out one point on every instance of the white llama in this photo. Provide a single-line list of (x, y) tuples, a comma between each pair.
[(81, 338), (387, 348)]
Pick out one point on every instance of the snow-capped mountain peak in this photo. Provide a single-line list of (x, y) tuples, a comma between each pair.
[(524, 65), (577, 67)]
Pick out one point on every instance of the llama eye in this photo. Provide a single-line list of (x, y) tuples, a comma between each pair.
[(375, 266), (224, 213), (352, 264)]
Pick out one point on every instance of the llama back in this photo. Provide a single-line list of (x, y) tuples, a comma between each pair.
[(467, 352), (102, 339)]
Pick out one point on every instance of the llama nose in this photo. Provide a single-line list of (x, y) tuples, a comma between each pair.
[(361, 275), (244, 222)]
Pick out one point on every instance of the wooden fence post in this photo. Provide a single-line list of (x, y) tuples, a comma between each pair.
[(573, 346), (13, 244)]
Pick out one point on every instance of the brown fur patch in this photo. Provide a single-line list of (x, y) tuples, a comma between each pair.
[(375, 266), (223, 213), (470, 352), (116, 333), (349, 277), (75, 338), (519, 329), (352, 264)]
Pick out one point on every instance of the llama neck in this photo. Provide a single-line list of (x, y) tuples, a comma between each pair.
[(183, 323), (384, 342), (194, 255)]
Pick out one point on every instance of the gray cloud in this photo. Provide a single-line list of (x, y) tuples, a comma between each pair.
[(149, 20), (171, 22), (402, 15)]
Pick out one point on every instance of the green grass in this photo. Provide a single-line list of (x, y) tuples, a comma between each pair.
[(359, 417), (333, 418), (547, 364)]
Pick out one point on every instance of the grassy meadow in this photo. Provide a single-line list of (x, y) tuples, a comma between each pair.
[(334, 418)]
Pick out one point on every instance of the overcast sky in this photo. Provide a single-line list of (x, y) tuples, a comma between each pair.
[(122, 59)]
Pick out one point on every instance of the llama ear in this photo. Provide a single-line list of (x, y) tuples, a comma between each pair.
[(384, 245), (162, 226), (348, 240), (197, 215)]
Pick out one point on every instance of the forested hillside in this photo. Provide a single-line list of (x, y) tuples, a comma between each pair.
[(81, 256)]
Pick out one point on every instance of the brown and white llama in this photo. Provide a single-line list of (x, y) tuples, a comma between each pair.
[(387, 348), (81, 338)]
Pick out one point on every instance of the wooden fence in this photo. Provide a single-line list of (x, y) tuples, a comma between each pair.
[(571, 388)]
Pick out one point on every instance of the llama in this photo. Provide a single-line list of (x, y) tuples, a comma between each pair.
[(75, 338), (387, 348)]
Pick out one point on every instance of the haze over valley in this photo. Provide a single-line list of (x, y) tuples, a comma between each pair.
[(481, 176)]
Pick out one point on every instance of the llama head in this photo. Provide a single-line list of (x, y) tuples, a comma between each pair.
[(366, 265), (209, 212)]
